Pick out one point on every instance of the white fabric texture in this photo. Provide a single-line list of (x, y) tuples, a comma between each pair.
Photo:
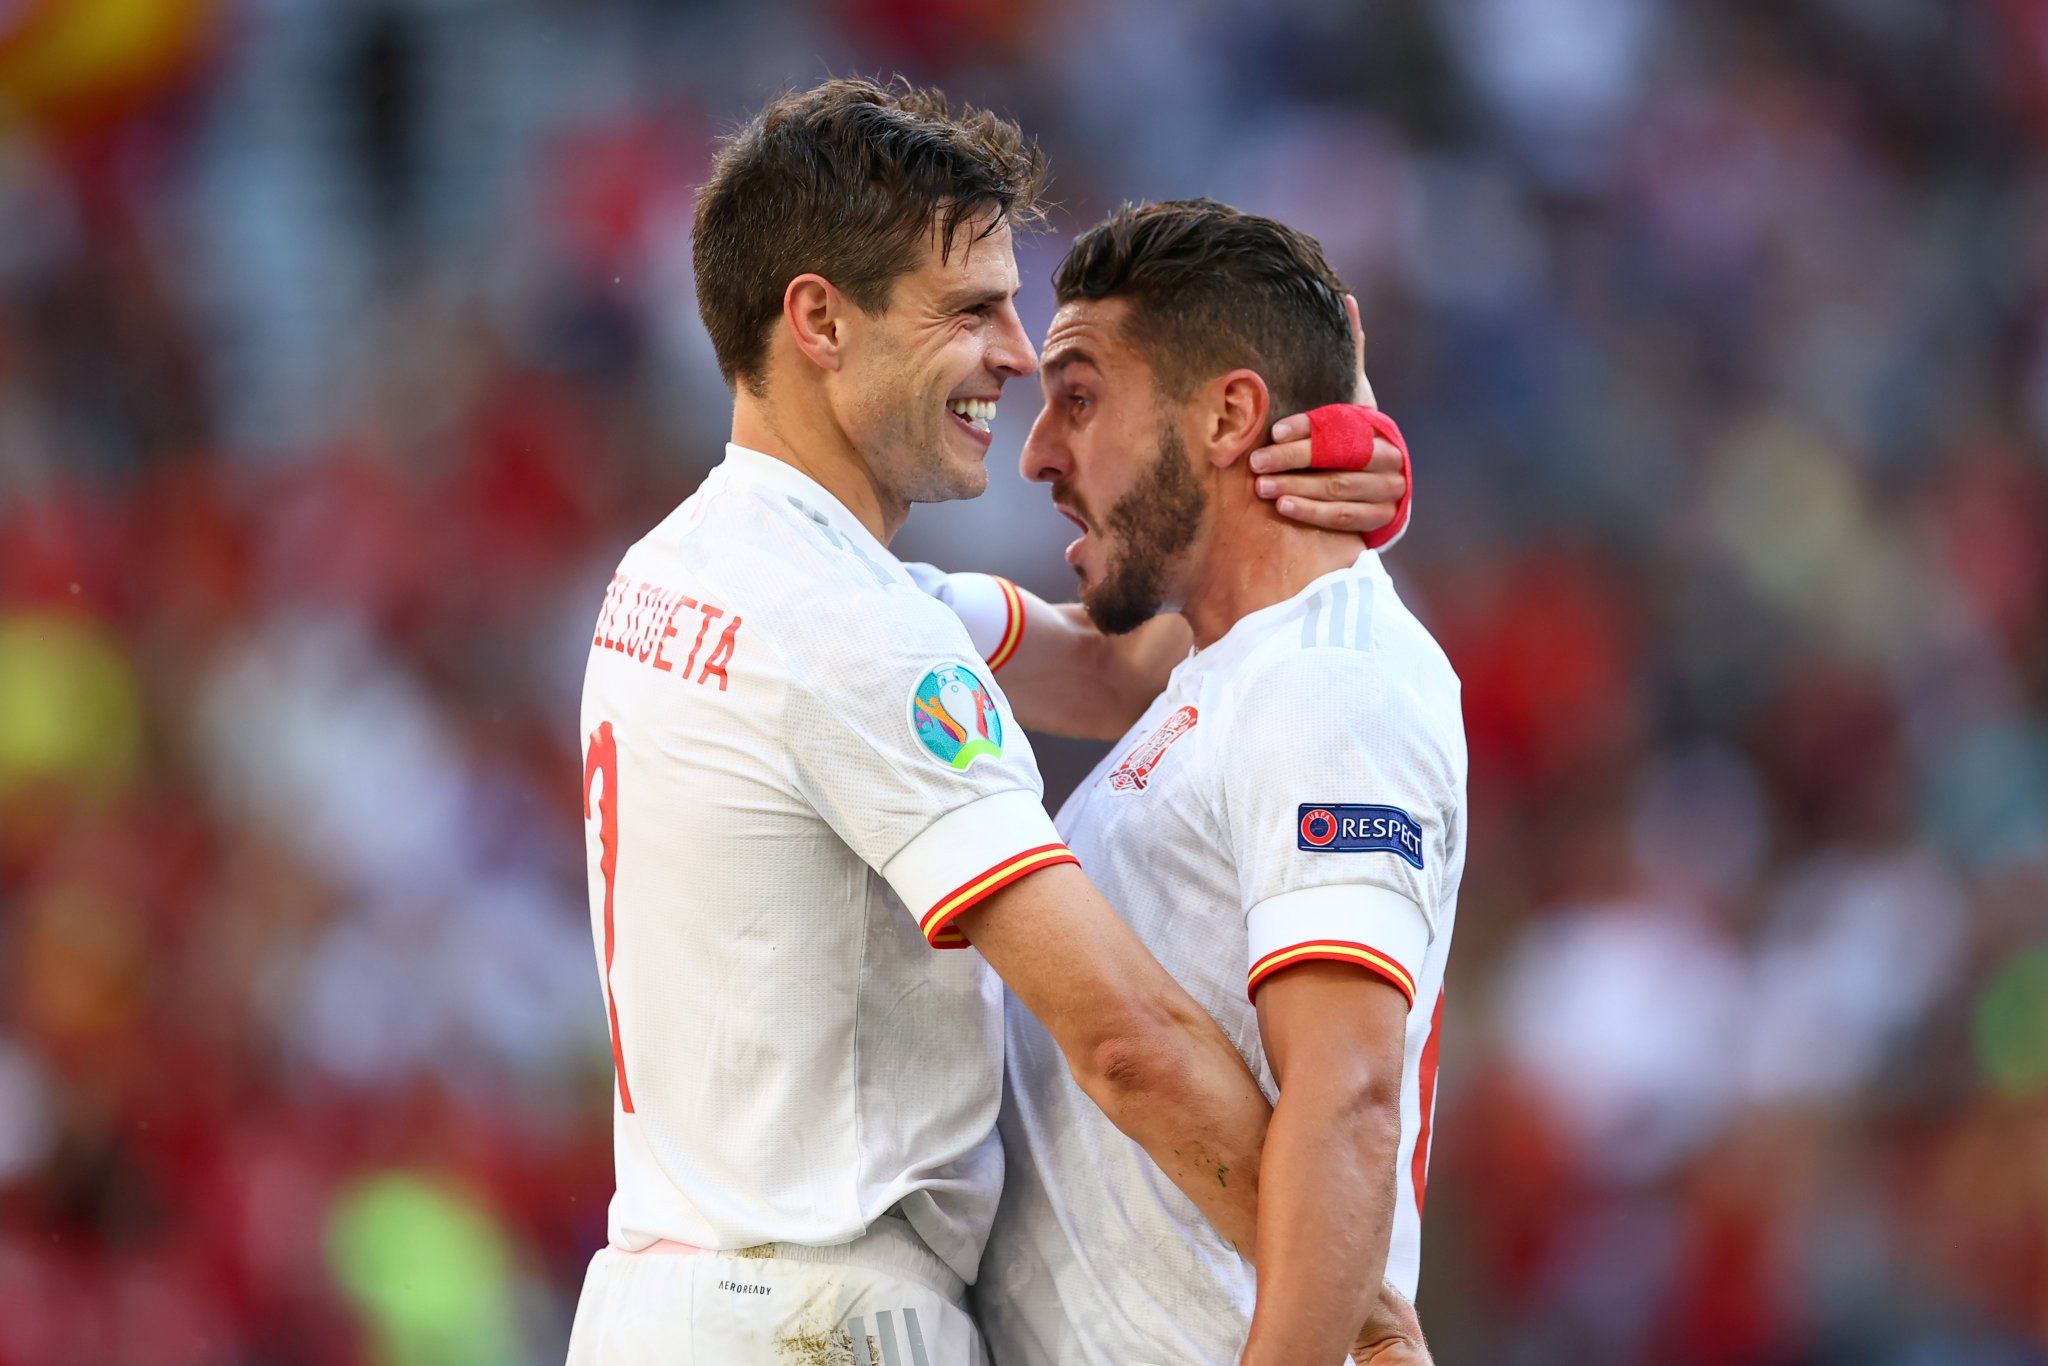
[(1191, 828), (798, 1057), (880, 1301), (1345, 913), (977, 599)]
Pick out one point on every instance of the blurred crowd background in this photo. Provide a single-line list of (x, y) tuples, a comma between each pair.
[(345, 344)]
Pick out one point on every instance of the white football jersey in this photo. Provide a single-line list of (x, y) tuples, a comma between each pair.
[(1296, 793), (797, 772)]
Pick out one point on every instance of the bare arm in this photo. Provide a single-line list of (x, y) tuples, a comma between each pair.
[(1137, 1044), (1164, 1074), (1067, 678), (1335, 1037)]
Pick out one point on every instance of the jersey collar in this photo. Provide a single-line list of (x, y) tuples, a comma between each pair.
[(1249, 630), (755, 469)]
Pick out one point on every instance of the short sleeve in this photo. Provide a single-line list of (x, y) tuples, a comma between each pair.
[(988, 605), (904, 744), (1341, 781)]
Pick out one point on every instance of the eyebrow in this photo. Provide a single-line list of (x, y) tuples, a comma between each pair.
[(978, 298), (1066, 358)]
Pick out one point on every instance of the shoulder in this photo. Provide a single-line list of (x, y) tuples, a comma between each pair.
[(1352, 666), (848, 631), (777, 540), (821, 595), (1354, 626), (1362, 614), (880, 625)]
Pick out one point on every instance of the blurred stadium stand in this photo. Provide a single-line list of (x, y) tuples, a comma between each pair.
[(344, 346)]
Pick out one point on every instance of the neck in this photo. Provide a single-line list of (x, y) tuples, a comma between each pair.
[(1253, 558), (806, 437)]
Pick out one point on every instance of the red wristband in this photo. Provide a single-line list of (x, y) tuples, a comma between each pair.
[(1341, 437)]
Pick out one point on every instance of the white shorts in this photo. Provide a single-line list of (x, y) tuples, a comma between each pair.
[(882, 1300)]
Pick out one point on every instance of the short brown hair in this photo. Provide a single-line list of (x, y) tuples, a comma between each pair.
[(846, 179), (1212, 289)]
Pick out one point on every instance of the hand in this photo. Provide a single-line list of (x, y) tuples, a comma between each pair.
[(1392, 1336), (1350, 500)]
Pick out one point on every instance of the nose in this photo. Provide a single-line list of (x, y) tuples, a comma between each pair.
[(1045, 459), (1010, 352)]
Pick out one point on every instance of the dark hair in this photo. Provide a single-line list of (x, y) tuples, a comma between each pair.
[(1212, 289), (846, 179)]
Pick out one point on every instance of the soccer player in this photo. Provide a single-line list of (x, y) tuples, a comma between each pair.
[(1284, 827), (802, 786)]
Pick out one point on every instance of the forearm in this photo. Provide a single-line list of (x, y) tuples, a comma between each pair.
[(1067, 678), (1326, 1214), (1135, 1041), (1190, 1102)]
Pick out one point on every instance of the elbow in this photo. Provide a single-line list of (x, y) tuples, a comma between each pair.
[(1368, 1105), (1122, 1065), (1139, 1061)]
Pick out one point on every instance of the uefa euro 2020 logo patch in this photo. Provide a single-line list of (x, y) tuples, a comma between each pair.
[(954, 717)]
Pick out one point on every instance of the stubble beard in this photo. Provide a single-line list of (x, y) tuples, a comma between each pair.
[(1153, 524), (909, 455), (932, 475)]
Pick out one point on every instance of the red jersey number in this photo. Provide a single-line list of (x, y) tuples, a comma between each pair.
[(602, 760), (1427, 1096)]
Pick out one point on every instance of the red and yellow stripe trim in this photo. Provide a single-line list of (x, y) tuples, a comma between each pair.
[(1333, 951), (1013, 623), (937, 923)]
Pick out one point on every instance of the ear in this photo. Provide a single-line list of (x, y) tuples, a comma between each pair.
[(816, 314), (1236, 416)]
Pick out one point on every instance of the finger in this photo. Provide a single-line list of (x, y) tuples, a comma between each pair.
[(1299, 454), (1357, 518), (1386, 458), (1292, 453), (1334, 486), (1291, 428)]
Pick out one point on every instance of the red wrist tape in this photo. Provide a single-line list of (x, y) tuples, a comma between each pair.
[(1341, 437)]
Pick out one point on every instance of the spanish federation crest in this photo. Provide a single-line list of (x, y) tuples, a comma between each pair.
[(953, 716), (1136, 769)]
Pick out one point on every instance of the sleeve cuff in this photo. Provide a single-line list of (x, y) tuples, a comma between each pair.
[(1381, 931), (968, 853), (991, 609)]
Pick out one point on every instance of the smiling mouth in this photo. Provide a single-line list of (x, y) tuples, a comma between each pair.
[(977, 413)]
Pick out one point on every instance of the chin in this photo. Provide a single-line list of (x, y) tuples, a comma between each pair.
[(961, 476), (972, 481), (1116, 614), (952, 485), (949, 479)]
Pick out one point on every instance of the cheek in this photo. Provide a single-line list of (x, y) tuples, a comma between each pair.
[(960, 353), (1105, 461)]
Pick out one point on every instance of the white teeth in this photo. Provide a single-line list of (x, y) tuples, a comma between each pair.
[(978, 411)]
